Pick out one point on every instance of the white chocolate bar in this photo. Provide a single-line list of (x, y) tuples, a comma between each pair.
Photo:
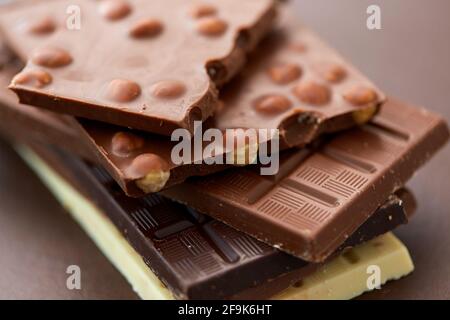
[(347, 276)]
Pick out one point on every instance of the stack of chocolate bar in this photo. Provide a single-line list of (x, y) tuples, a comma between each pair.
[(213, 149)]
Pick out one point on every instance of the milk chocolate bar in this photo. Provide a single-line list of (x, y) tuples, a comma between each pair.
[(299, 122), (76, 135), (151, 65), (320, 197), (299, 85), (197, 257), (23, 122), (291, 52)]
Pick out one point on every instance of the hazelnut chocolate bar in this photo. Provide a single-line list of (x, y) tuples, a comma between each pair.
[(321, 196), (194, 256), (23, 122), (258, 99), (141, 162), (151, 65), (31, 124), (299, 85)]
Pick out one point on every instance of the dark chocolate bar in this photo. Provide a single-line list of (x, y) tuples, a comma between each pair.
[(320, 197), (151, 65), (197, 257)]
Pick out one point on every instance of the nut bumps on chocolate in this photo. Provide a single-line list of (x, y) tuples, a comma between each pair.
[(150, 65)]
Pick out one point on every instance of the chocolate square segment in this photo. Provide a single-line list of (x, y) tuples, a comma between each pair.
[(151, 65)]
